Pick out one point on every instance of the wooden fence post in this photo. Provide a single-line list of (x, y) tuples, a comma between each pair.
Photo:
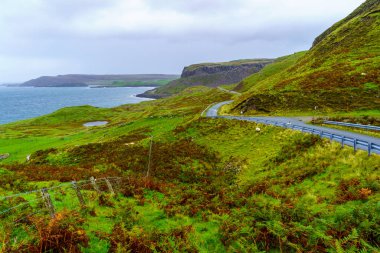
[(78, 192), (93, 182), (48, 203), (110, 187), (118, 183)]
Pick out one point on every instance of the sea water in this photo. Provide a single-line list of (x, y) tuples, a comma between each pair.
[(17, 103)]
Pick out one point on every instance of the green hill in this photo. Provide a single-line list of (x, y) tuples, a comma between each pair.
[(79, 80), (340, 72)]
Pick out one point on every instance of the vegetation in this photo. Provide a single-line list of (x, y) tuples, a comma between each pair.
[(185, 183), (214, 185), (366, 120), (100, 80), (339, 73), (268, 72)]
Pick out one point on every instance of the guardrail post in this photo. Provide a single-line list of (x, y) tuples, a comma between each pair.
[(355, 145), (110, 187), (79, 194), (48, 203), (369, 148), (342, 142), (93, 182)]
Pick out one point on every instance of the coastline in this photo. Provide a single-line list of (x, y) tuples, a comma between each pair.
[(22, 103)]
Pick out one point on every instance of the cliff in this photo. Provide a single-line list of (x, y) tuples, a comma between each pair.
[(210, 75)]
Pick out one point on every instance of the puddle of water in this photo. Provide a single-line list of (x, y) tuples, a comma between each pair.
[(95, 123)]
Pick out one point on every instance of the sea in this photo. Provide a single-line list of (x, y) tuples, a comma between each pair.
[(18, 103)]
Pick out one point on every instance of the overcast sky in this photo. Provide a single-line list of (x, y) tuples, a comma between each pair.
[(51, 37)]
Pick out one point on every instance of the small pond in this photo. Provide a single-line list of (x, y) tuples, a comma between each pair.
[(95, 123)]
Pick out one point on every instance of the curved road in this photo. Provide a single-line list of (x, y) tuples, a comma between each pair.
[(347, 138)]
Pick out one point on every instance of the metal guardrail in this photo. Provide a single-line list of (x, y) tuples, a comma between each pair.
[(356, 143), (368, 127)]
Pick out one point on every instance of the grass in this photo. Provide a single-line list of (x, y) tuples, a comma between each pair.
[(215, 185), (267, 75), (339, 73), (354, 130), (230, 63), (65, 127)]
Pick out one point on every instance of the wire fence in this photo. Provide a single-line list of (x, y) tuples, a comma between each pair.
[(23, 215), (19, 207)]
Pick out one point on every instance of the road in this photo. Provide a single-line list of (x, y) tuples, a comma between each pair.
[(296, 124)]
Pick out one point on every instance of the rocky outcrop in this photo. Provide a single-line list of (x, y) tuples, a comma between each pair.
[(4, 156), (210, 75), (239, 70)]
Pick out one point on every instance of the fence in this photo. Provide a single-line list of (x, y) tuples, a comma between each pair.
[(353, 142), (367, 127), (20, 206)]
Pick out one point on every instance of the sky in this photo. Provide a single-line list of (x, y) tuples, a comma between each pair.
[(52, 37)]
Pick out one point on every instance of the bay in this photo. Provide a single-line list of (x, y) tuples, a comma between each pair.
[(18, 103)]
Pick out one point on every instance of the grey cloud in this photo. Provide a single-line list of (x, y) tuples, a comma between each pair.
[(46, 36)]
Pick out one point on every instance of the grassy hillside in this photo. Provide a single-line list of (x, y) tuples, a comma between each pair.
[(340, 72), (214, 185), (268, 74)]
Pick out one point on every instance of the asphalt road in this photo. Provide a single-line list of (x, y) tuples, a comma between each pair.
[(293, 122)]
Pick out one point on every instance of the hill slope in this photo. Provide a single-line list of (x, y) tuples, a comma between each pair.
[(340, 72), (75, 80), (211, 75), (215, 185)]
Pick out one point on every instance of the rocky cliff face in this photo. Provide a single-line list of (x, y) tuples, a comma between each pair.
[(243, 69), (211, 75)]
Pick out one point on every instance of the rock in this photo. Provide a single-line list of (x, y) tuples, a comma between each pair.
[(210, 75), (4, 156), (258, 129), (229, 72)]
